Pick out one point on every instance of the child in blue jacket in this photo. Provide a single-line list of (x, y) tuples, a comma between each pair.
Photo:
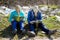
[(34, 16)]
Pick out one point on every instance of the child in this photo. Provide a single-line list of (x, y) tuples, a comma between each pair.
[(16, 17)]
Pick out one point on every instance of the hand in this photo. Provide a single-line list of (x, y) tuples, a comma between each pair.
[(32, 22), (21, 18), (38, 21)]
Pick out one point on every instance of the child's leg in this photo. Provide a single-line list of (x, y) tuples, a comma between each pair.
[(21, 25), (14, 24), (47, 31), (31, 27), (31, 33), (43, 28)]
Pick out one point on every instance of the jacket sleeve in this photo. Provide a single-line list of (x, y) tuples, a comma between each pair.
[(10, 17), (22, 15), (40, 16), (28, 18)]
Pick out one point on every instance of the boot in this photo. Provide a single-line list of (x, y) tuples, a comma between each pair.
[(31, 33), (51, 33), (14, 31)]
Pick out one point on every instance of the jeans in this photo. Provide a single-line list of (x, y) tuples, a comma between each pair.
[(40, 26), (14, 25)]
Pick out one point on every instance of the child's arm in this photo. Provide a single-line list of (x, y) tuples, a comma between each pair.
[(10, 17)]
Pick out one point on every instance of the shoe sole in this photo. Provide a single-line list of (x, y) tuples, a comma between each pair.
[(30, 34)]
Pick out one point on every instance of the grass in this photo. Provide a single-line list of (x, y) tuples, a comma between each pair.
[(58, 13), (50, 6), (51, 24)]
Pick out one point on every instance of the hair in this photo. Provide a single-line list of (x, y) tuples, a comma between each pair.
[(18, 6), (35, 8)]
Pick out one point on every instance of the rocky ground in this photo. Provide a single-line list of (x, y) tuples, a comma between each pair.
[(35, 38)]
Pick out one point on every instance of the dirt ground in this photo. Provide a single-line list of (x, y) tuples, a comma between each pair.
[(35, 38)]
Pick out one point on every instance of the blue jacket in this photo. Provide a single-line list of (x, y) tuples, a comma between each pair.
[(14, 14), (31, 16)]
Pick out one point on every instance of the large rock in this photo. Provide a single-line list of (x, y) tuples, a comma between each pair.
[(5, 11)]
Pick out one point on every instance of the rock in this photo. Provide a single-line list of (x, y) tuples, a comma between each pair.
[(44, 8), (58, 18), (55, 11), (4, 10)]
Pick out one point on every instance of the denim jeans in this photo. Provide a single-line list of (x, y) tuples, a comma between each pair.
[(40, 26), (14, 25)]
